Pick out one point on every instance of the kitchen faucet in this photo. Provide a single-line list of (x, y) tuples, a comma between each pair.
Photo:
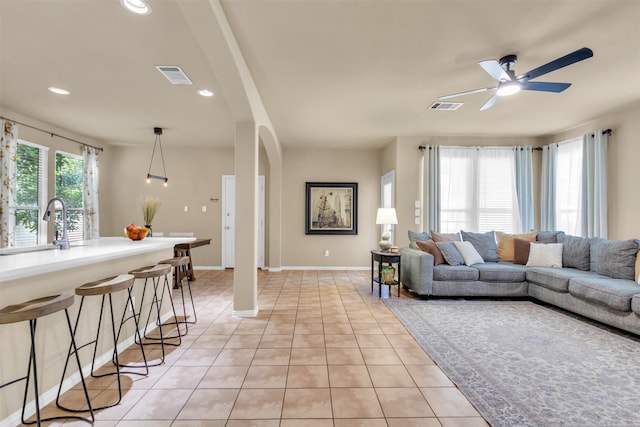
[(64, 242)]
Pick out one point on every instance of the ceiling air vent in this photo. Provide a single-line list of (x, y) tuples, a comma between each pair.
[(448, 106), (174, 74)]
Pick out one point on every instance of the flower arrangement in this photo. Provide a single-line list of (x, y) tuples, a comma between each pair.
[(150, 206)]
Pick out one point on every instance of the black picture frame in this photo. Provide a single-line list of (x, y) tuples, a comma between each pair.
[(331, 208)]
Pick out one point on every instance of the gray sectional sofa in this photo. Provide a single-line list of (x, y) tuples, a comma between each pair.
[(597, 278)]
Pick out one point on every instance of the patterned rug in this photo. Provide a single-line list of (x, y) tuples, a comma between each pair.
[(523, 364)]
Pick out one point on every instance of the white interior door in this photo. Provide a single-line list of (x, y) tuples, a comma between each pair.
[(228, 220), (387, 194)]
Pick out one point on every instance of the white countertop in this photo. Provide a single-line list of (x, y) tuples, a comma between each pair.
[(19, 266)]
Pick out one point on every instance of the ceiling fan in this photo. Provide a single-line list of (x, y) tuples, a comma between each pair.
[(509, 84)]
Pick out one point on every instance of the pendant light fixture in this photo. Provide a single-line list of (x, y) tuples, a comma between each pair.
[(158, 142)]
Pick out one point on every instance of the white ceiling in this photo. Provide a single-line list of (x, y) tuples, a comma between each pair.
[(335, 74)]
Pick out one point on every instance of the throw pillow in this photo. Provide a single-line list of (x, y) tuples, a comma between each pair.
[(575, 251), (638, 268), (450, 253), (545, 255), (469, 253), (614, 258), (521, 251), (485, 244), (505, 243), (430, 247), (445, 237), (548, 236), (417, 236)]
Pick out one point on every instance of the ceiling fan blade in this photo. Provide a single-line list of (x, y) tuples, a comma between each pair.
[(545, 86), (469, 92), (490, 102), (569, 59), (494, 69)]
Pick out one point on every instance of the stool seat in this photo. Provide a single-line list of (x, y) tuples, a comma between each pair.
[(35, 308), (176, 261), (151, 271), (106, 286)]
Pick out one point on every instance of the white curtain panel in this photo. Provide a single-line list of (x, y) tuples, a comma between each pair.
[(8, 181), (548, 187), (497, 190), (569, 186), (594, 185), (458, 190), (90, 184), (431, 188), (524, 186)]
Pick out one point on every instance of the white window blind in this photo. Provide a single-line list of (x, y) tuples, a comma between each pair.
[(69, 188), (568, 186), (477, 189), (30, 194)]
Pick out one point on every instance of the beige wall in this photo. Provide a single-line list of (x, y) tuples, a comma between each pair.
[(623, 167), (300, 166), (195, 177)]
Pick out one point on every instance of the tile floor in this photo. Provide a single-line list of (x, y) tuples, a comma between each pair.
[(323, 351)]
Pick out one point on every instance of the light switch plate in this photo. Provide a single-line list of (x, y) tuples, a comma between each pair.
[(204, 208)]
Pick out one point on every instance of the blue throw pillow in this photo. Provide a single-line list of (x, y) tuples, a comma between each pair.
[(485, 244), (450, 253), (417, 236), (575, 251), (614, 258)]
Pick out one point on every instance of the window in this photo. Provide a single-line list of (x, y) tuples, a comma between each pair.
[(569, 186), (69, 188), (30, 194), (477, 190)]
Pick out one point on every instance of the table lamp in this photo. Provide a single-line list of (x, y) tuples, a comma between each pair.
[(386, 217)]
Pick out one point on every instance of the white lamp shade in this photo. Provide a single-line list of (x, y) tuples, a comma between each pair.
[(386, 216)]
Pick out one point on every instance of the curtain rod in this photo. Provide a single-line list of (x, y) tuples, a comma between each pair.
[(604, 132), (53, 134)]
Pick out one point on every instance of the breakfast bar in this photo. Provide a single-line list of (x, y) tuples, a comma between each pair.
[(42, 271)]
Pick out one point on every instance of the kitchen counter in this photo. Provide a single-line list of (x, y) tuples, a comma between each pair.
[(46, 271), (45, 260)]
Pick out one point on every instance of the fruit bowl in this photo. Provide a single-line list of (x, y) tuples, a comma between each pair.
[(136, 233)]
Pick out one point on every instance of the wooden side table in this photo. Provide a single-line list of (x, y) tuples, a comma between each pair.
[(389, 259), (184, 249)]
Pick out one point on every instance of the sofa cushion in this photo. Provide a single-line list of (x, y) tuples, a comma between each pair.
[(575, 251), (417, 236), (556, 279), (613, 293), (485, 244), (469, 253), (504, 272), (430, 247), (445, 237), (521, 251), (638, 268), (614, 258), (506, 243), (545, 255), (449, 273), (635, 304), (450, 253), (548, 236)]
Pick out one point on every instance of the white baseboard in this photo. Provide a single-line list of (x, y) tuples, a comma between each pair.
[(245, 313), (335, 268), (208, 267)]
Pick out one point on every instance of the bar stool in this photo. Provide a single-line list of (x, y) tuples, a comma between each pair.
[(32, 311), (153, 274), (104, 287), (179, 265)]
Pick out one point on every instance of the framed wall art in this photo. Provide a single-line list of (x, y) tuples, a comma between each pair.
[(331, 208)]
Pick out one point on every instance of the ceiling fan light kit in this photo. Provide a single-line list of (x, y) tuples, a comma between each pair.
[(510, 84)]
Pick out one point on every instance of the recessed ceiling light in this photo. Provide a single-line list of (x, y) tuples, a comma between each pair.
[(205, 92), (137, 6), (58, 90)]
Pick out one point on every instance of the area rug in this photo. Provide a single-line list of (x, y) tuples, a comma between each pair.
[(523, 364)]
